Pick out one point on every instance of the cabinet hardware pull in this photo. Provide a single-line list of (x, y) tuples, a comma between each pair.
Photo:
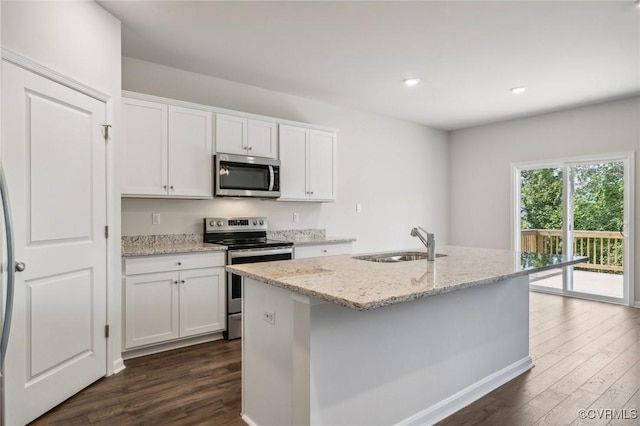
[(175, 281), (250, 148), (165, 186), (182, 281), (171, 187), (179, 263)]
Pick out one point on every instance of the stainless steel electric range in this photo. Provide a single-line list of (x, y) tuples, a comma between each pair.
[(246, 239)]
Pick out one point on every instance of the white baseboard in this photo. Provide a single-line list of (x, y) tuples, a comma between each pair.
[(636, 305), (175, 344), (118, 365), (466, 396), (248, 420)]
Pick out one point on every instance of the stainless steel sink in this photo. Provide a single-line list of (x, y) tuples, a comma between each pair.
[(403, 256)]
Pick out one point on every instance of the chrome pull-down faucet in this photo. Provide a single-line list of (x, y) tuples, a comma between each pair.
[(429, 242)]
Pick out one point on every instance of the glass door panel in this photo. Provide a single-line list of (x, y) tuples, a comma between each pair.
[(597, 203), (541, 219)]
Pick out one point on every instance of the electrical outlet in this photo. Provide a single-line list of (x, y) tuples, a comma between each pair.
[(269, 317), (296, 217), (155, 218), (358, 208)]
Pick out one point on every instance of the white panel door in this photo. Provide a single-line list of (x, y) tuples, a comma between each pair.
[(144, 152), (293, 157), (202, 301), (322, 147), (53, 154), (151, 308), (190, 153), (261, 138), (231, 134)]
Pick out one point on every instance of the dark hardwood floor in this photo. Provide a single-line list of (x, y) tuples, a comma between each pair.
[(198, 385), (586, 355)]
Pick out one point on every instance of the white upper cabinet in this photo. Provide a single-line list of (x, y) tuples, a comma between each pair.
[(308, 170), (145, 148), (167, 150), (190, 151), (243, 136), (322, 165)]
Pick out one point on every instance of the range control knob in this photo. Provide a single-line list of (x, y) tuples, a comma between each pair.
[(219, 223), (255, 222), (212, 223), (262, 222)]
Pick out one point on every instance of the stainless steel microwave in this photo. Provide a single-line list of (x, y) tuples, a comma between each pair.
[(242, 176)]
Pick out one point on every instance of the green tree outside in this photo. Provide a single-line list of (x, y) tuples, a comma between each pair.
[(598, 204), (598, 198)]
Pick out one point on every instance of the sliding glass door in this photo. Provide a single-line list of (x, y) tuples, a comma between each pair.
[(577, 207)]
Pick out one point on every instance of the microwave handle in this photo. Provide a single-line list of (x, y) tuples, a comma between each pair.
[(271, 178)]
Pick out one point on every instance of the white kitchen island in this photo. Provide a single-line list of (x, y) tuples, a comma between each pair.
[(342, 341)]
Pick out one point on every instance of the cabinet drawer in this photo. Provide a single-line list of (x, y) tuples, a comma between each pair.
[(173, 262), (302, 252)]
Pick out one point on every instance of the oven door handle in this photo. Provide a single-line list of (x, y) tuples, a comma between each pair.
[(271, 178), (253, 252)]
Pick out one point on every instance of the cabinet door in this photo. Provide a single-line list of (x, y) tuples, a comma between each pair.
[(145, 147), (151, 308), (293, 156), (190, 152), (231, 134), (261, 138), (202, 301), (322, 167)]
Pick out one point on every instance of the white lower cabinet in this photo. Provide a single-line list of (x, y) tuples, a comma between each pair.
[(320, 250), (164, 300)]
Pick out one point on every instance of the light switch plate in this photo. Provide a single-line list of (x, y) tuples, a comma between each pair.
[(155, 218), (358, 208)]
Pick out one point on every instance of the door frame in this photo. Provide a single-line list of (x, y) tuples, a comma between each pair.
[(114, 359), (628, 158)]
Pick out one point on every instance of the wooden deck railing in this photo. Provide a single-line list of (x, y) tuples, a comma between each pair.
[(604, 249)]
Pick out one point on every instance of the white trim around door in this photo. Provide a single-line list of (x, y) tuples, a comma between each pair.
[(628, 159)]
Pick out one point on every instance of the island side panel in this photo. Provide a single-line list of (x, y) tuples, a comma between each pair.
[(267, 355), (419, 361)]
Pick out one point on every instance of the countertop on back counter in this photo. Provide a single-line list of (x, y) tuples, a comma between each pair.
[(301, 237), (149, 245)]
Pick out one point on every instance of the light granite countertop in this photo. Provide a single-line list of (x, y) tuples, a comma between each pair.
[(149, 245), (312, 241), (364, 285), (302, 237)]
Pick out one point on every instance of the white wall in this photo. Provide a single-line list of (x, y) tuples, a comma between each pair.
[(397, 170), (481, 157), (80, 40)]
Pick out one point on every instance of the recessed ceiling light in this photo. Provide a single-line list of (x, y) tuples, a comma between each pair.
[(411, 81), (518, 89)]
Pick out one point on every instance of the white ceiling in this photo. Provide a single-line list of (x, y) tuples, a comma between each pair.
[(467, 54)]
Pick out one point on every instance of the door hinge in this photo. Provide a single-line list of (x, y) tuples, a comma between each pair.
[(106, 331), (106, 232), (106, 128)]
